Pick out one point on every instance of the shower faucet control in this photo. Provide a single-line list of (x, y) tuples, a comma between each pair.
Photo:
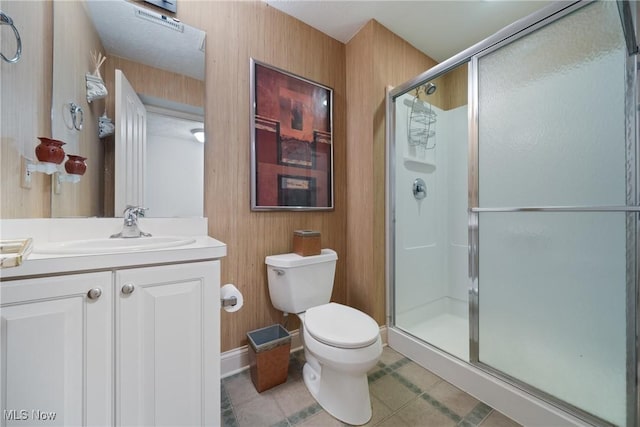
[(419, 189)]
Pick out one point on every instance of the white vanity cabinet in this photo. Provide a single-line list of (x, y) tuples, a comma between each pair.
[(55, 355), (147, 337), (167, 345)]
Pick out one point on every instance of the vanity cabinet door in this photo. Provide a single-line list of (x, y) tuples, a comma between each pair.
[(56, 351), (167, 345)]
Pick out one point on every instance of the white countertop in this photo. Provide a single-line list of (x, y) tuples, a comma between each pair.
[(46, 230)]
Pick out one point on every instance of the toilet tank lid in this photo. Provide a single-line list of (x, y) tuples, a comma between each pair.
[(295, 260)]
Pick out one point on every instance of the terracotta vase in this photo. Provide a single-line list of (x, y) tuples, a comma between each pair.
[(75, 165), (50, 150)]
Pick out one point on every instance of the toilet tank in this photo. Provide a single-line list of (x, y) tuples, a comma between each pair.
[(297, 283)]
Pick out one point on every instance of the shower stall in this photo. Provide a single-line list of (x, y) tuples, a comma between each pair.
[(514, 217)]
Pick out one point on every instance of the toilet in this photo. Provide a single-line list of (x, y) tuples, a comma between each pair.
[(341, 344)]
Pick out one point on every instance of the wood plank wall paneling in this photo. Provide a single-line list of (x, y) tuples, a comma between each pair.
[(456, 85), (451, 89), (392, 61), (149, 81), (361, 189), (25, 103), (237, 31), (74, 38)]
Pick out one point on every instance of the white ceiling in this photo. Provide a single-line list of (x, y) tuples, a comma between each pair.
[(125, 34), (439, 29), (172, 127)]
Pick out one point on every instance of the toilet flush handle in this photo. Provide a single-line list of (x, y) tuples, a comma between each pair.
[(278, 271)]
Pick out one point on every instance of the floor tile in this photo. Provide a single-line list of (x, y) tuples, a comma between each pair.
[(240, 389), (390, 356), (292, 397), (478, 414), (453, 398), (497, 419), (379, 410), (422, 378), (295, 367), (228, 418), (305, 414), (421, 413), (394, 421), (403, 394), (261, 411), (321, 419), (391, 392)]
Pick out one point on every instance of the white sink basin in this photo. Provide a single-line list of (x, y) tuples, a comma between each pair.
[(102, 246)]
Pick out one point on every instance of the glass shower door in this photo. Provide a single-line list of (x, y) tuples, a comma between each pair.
[(554, 233)]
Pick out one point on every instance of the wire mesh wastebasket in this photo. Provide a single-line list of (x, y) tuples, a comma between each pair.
[(269, 356)]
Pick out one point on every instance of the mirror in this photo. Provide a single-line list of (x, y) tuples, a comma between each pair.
[(163, 60)]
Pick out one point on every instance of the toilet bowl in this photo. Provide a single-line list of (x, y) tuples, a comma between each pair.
[(341, 344), (338, 359)]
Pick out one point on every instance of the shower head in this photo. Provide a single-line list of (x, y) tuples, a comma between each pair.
[(430, 88)]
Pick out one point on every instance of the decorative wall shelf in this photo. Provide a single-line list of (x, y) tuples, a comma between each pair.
[(58, 177), (42, 167), (419, 162), (64, 177)]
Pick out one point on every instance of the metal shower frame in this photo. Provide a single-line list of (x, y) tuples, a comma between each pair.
[(470, 56)]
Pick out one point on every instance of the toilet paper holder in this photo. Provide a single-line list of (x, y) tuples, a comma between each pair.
[(229, 301)]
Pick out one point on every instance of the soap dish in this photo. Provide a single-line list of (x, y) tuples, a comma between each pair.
[(13, 252)]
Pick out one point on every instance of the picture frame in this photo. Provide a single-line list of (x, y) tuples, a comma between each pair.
[(291, 141)]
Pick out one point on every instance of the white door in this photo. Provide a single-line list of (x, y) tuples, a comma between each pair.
[(167, 345), (56, 351), (130, 146)]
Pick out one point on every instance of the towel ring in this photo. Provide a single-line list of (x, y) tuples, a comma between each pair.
[(77, 115), (6, 20)]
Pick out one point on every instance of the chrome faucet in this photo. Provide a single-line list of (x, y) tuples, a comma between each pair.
[(130, 228)]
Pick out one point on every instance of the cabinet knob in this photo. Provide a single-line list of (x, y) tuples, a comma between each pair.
[(94, 293), (128, 288)]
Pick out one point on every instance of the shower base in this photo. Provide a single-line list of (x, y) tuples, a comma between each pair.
[(443, 323)]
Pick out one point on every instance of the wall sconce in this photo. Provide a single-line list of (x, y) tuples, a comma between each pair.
[(198, 134)]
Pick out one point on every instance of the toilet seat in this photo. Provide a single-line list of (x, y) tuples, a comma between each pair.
[(341, 326)]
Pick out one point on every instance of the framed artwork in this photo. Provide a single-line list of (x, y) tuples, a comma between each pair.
[(291, 141)]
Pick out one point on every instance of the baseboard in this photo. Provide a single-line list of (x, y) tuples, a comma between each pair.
[(237, 360)]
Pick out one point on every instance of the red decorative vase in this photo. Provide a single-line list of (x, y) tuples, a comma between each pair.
[(50, 150), (75, 165)]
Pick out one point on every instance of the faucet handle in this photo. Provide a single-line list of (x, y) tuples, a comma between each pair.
[(140, 210), (130, 229), (131, 210)]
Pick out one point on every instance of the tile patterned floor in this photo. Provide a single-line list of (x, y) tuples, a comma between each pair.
[(402, 394)]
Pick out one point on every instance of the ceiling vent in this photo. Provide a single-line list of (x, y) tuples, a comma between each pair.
[(160, 19)]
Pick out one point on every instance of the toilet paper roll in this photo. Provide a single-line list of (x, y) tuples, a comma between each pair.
[(228, 291)]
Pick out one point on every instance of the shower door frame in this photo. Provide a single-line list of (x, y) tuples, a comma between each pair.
[(470, 56)]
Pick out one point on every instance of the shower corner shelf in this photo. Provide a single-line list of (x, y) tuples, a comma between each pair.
[(420, 162)]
